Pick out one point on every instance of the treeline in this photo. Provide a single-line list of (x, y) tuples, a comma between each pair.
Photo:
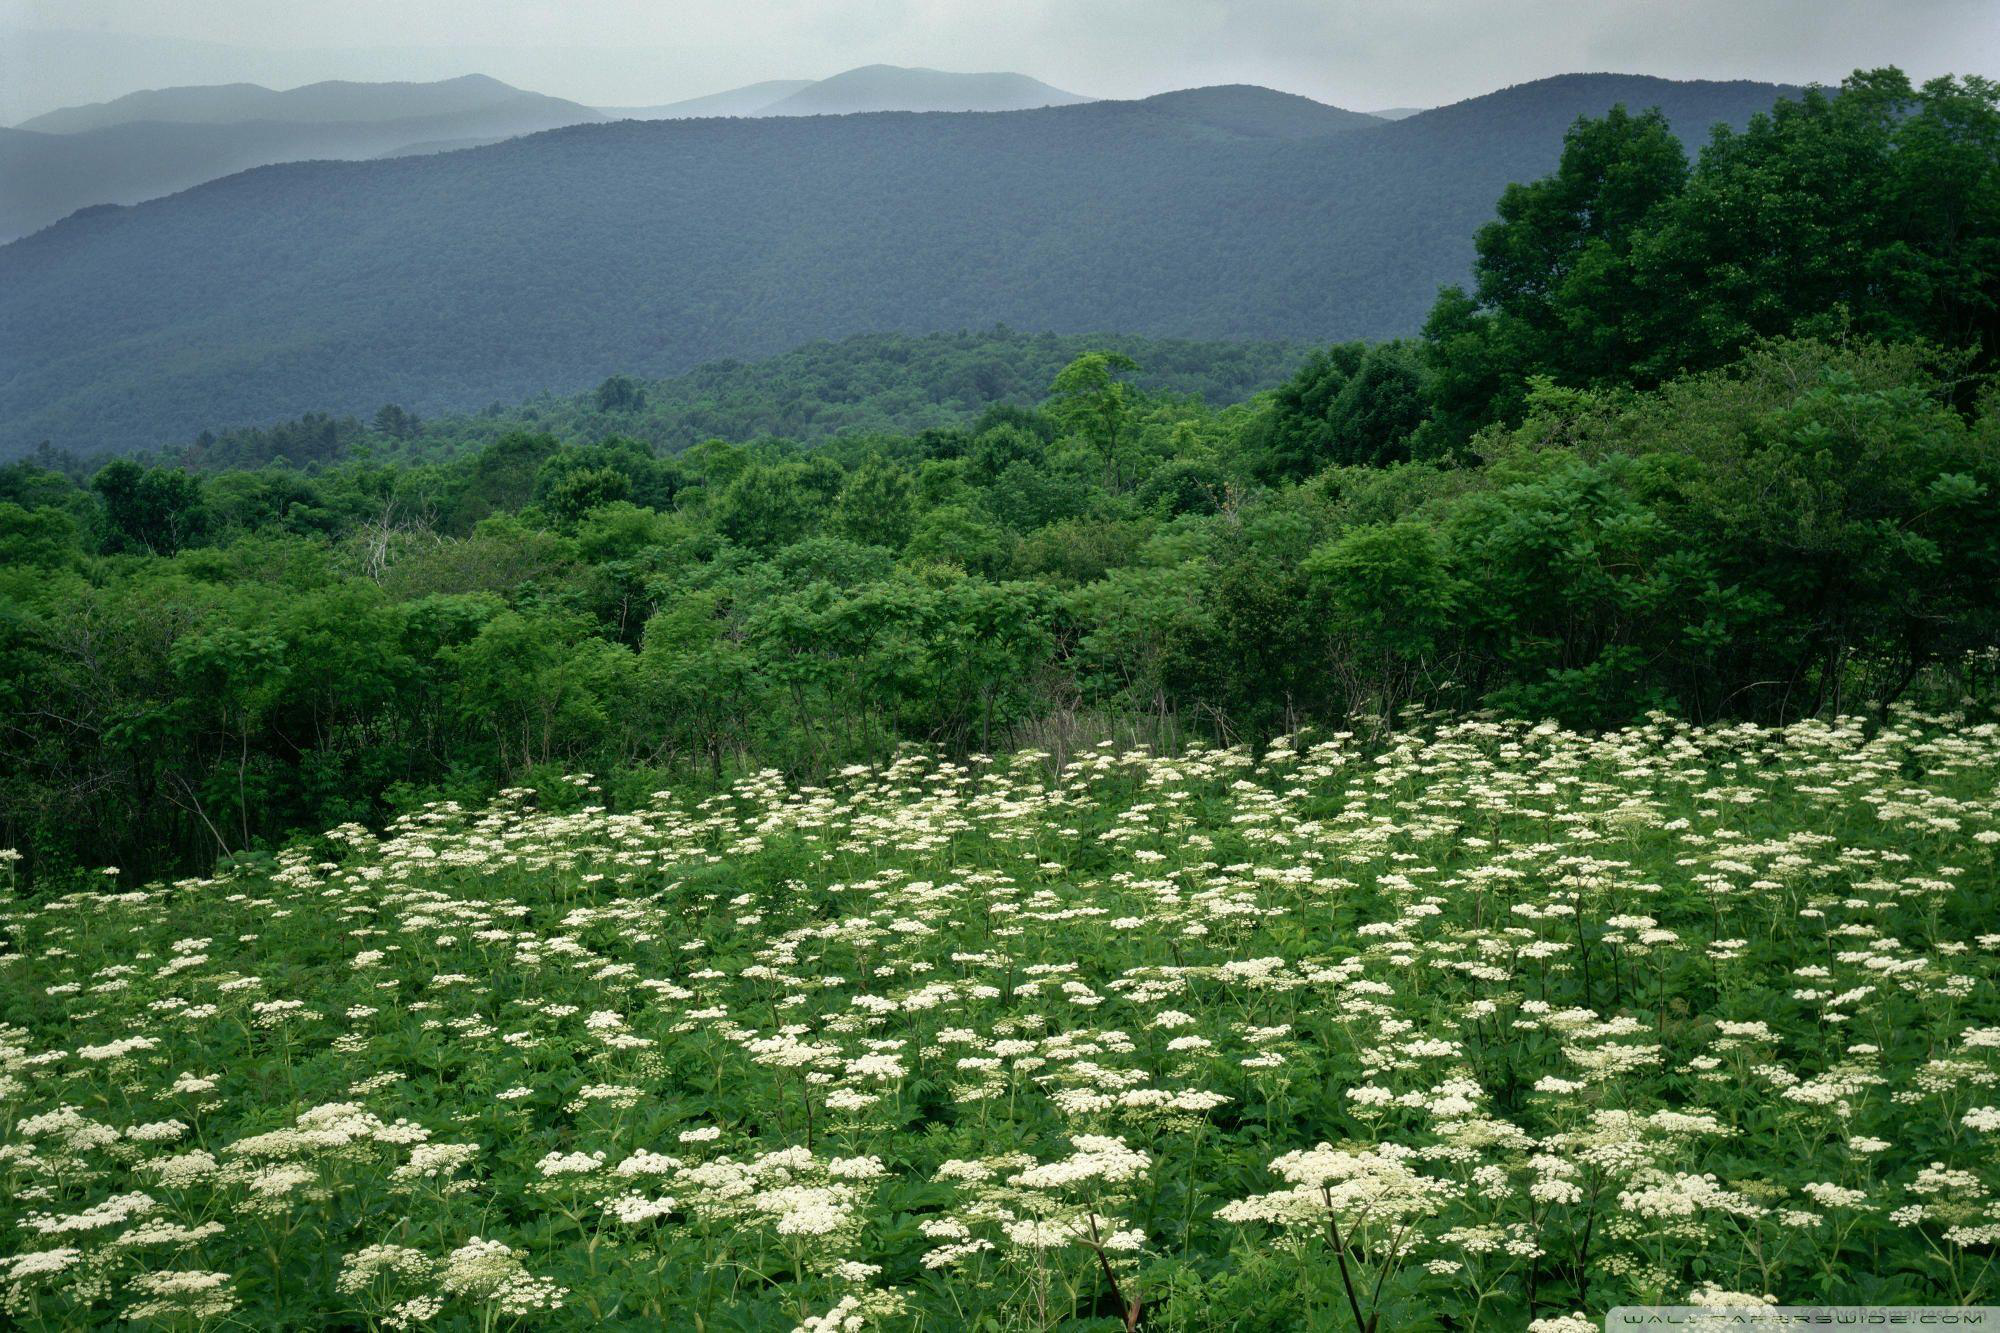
[(194, 664), (869, 384)]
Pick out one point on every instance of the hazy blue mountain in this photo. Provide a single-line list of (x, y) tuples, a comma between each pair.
[(749, 100), (440, 146), (553, 260), (53, 67), (869, 88), (893, 88), (1693, 106), (191, 138), (1258, 112), (315, 103), (1399, 112)]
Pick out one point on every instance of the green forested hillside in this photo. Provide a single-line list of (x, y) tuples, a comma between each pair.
[(870, 384), (554, 261)]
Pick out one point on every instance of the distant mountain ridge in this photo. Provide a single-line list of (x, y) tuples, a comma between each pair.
[(867, 88), (552, 260), (156, 143), (749, 100), (1529, 105), (893, 88), (1241, 108), (314, 103)]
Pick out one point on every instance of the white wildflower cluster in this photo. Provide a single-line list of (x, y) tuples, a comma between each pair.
[(1358, 1185), (854, 1312), (487, 1272), (437, 1165), (1673, 1012), (168, 1294), (1067, 1211)]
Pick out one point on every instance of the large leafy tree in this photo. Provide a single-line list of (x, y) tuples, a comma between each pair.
[(1349, 404), (988, 642), (157, 510), (698, 679), (539, 685), (500, 477), (1556, 264), (1391, 603), (1090, 400), (1555, 293), (1875, 208), (877, 504), (770, 505), (1879, 205), (620, 393)]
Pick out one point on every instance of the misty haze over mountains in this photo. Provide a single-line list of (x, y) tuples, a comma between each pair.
[(551, 260), (869, 88), (153, 143), (156, 142)]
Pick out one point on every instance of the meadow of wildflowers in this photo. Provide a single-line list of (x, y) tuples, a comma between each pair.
[(1482, 1025)]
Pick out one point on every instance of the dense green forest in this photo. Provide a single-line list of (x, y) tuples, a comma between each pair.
[(870, 384), (556, 260), (1718, 437)]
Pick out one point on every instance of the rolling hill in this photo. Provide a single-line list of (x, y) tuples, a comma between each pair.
[(749, 100), (441, 146), (314, 103), (869, 88), (1256, 113), (155, 143), (893, 88), (552, 260)]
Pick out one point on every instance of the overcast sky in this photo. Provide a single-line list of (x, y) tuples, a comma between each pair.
[(1363, 54)]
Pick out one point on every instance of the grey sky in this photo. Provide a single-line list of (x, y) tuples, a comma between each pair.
[(1356, 53)]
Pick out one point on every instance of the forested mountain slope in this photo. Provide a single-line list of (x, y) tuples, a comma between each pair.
[(554, 260)]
